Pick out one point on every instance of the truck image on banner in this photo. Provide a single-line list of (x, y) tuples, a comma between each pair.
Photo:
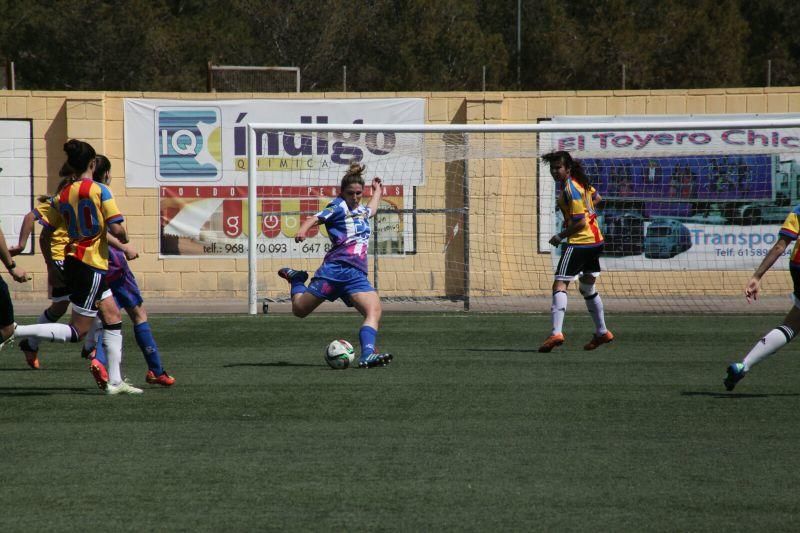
[(742, 189)]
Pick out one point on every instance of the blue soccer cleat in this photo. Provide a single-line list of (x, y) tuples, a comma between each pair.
[(735, 375), (374, 359), (292, 275)]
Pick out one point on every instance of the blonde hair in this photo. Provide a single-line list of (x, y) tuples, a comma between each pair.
[(353, 174)]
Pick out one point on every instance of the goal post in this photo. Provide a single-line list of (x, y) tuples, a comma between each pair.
[(472, 207), (233, 78)]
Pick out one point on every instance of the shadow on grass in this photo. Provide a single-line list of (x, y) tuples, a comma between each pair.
[(44, 391), (734, 395), (278, 364), (501, 350)]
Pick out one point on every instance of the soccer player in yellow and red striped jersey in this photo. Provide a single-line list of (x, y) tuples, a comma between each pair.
[(87, 208), (87, 211), (775, 339), (582, 245)]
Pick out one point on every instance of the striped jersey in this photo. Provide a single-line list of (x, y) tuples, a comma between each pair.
[(349, 232), (84, 209), (576, 204), (791, 228), (59, 241)]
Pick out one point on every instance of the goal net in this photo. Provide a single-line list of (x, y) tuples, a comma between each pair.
[(238, 79), (690, 208)]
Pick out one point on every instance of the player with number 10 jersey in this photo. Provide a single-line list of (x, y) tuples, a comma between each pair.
[(86, 208)]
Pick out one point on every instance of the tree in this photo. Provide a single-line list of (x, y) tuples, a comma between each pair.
[(773, 37), (402, 45)]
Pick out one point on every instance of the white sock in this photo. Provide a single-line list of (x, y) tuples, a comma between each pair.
[(47, 332), (768, 345), (594, 304), (44, 318), (558, 309), (112, 343), (90, 341)]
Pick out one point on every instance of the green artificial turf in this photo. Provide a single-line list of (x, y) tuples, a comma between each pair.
[(470, 428)]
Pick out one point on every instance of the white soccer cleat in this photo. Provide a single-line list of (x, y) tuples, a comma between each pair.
[(123, 387)]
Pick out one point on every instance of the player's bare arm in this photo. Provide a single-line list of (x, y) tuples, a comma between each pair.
[(19, 275), (118, 230), (754, 285), (571, 229), (377, 192), (307, 224), (24, 233), (128, 249)]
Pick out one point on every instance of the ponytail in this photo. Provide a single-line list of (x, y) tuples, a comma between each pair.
[(79, 155), (353, 174), (574, 166)]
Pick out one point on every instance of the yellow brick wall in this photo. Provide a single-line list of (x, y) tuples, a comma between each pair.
[(503, 221)]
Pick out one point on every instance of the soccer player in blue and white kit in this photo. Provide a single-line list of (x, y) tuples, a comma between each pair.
[(343, 273), (775, 339)]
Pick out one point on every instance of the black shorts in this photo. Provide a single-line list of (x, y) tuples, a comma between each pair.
[(6, 307), (59, 292), (86, 285), (578, 260)]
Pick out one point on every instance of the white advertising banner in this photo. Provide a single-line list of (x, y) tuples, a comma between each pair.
[(177, 142), (195, 153), (706, 199)]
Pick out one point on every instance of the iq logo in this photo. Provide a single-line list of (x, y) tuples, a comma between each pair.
[(189, 144)]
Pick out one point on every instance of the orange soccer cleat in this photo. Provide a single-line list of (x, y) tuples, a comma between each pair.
[(553, 341), (163, 379), (597, 340), (31, 355), (99, 373)]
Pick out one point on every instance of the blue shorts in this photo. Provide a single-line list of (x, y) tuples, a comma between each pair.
[(126, 291), (337, 280)]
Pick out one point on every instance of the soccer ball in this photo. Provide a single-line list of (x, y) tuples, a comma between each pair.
[(339, 354)]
